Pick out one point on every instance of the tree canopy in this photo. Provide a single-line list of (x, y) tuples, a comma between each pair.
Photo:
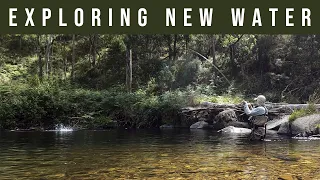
[(284, 67)]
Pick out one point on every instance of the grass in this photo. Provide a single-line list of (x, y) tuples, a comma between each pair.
[(311, 109)]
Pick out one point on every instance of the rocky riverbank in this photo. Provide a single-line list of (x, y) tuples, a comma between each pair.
[(234, 120)]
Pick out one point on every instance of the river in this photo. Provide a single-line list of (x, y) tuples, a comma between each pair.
[(154, 154)]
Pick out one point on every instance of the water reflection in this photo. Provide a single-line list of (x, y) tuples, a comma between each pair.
[(155, 154)]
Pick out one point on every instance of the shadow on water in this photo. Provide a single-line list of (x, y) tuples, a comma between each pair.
[(155, 153)]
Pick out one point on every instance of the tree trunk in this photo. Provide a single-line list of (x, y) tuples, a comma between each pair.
[(213, 41), (94, 56), (65, 67), (169, 46), (51, 71), (129, 70), (94, 49), (213, 53), (20, 41), (47, 54), (73, 56), (186, 37), (234, 71), (39, 58), (175, 47)]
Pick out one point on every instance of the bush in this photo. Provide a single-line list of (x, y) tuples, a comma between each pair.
[(47, 105)]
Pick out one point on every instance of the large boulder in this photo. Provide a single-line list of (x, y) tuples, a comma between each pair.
[(199, 125), (223, 119), (308, 125), (284, 129)]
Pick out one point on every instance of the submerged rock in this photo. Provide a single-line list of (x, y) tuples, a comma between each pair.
[(199, 125), (235, 130), (288, 177)]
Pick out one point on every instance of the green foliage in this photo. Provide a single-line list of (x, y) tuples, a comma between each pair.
[(170, 71), (47, 104), (311, 109)]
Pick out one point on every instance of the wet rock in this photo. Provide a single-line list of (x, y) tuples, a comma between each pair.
[(224, 118), (276, 123), (284, 129), (235, 130), (306, 126), (166, 126), (238, 124), (199, 125)]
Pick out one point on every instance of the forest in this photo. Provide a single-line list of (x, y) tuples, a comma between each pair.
[(141, 81)]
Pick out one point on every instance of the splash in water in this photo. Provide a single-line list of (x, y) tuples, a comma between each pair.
[(62, 128)]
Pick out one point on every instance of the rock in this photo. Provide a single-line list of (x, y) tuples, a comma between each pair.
[(287, 177), (276, 123), (199, 125), (284, 128), (166, 126), (235, 130), (239, 124), (307, 138), (307, 124), (304, 126), (223, 118), (207, 104), (203, 116)]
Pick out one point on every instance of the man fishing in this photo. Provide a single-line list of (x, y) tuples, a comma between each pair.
[(258, 117)]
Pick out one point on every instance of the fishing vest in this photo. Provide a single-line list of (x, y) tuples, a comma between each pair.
[(261, 120)]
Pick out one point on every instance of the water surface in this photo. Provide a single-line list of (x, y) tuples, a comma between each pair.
[(154, 154)]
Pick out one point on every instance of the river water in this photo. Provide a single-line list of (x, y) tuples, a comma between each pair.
[(154, 154)]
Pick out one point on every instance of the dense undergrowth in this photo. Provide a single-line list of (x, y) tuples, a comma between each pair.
[(46, 105)]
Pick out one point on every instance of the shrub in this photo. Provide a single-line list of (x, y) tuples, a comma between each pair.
[(48, 104), (311, 109)]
